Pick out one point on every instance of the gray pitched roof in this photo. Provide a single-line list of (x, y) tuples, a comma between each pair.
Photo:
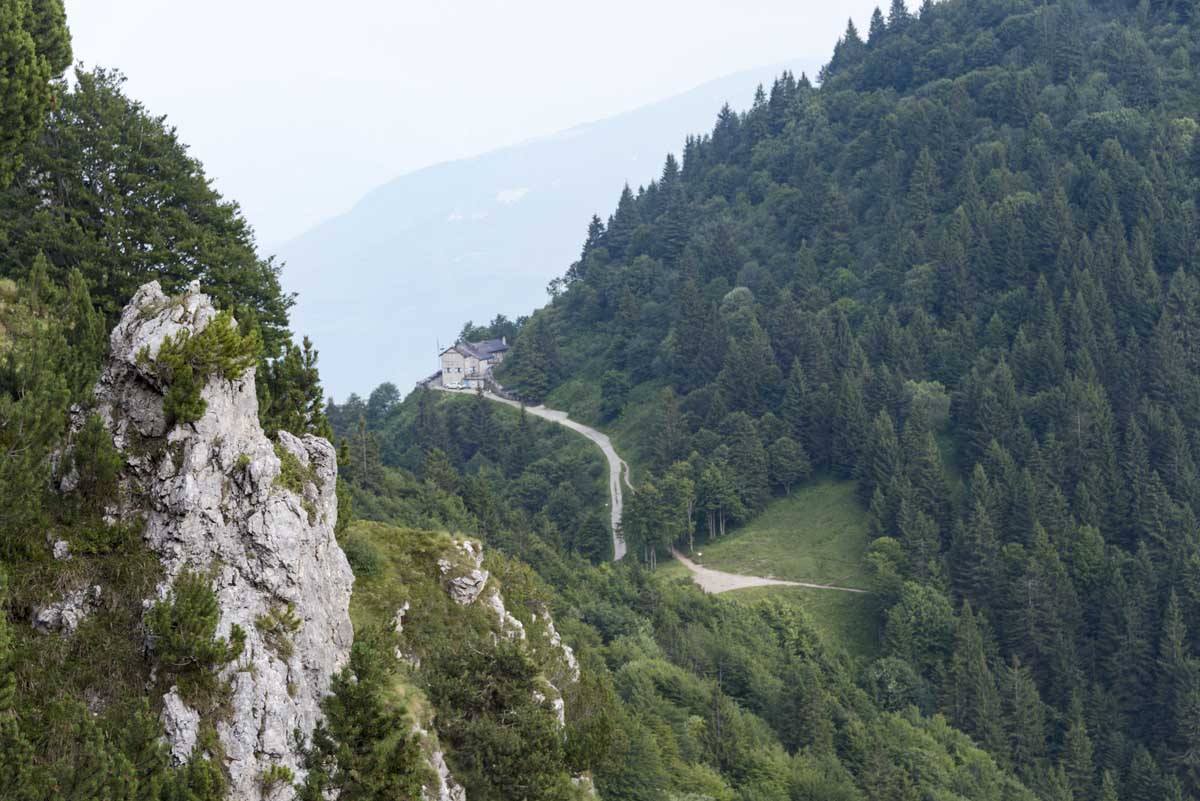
[(488, 347), (480, 350)]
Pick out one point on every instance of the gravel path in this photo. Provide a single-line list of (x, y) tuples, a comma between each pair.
[(618, 471), (714, 581)]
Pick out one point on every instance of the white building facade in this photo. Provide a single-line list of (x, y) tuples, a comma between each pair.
[(467, 365)]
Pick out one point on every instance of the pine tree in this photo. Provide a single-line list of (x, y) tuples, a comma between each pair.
[(37, 48), (1025, 719), (85, 332), (1077, 753), (847, 51), (922, 185), (922, 540), (850, 425), (1185, 737), (882, 457), (877, 28), (122, 182), (291, 397), (186, 362), (1042, 624), (698, 339), (364, 748), (17, 772), (34, 397), (973, 701), (898, 16), (788, 463), (183, 630), (1144, 780), (756, 121), (796, 408), (671, 444), (747, 461), (481, 433), (534, 359), (1055, 786), (726, 133), (1173, 656), (750, 374), (595, 237), (923, 463), (437, 469), (782, 95), (621, 225), (996, 409), (1108, 788)]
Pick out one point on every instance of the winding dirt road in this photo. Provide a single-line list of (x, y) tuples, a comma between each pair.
[(709, 580), (618, 470)]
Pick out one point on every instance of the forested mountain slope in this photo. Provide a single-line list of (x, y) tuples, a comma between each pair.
[(472, 238), (138, 663), (681, 695), (961, 272)]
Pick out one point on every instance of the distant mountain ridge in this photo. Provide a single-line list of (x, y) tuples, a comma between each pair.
[(380, 286)]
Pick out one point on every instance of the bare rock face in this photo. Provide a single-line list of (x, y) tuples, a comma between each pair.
[(66, 615), (447, 788), (212, 500), (182, 724), (465, 581), (556, 642), (508, 623)]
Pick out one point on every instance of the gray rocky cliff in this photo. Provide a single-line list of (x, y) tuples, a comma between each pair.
[(211, 496), (467, 582)]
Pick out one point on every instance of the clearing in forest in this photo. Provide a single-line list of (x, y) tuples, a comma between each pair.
[(817, 534)]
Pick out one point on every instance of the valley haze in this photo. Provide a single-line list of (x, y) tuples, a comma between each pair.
[(467, 239)]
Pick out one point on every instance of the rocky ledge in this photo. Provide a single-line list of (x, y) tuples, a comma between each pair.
[(212, 499)]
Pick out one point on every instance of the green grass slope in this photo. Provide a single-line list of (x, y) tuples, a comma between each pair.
[(848, 621), (817, 534)]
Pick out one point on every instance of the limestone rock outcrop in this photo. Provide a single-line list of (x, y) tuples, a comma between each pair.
[(182, 724), (212, 500), (447, 787), (464, 581), (66, 615)]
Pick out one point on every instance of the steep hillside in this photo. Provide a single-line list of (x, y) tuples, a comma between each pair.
[(960, 272), (473, 238), (959, 276), (174, 601), (680, 695)]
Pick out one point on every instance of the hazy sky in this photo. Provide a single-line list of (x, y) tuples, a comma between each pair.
[(297, 107)]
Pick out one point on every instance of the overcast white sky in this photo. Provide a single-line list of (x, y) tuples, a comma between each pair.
[(298, 107)]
